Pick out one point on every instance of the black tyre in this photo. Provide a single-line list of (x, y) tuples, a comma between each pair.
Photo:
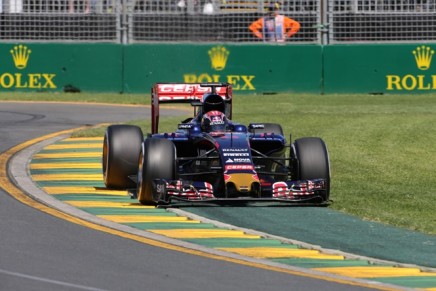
[(121, 148), (270, 128), (312, 160), (156, 161)]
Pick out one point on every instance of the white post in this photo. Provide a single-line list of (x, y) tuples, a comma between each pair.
[(15, 6)]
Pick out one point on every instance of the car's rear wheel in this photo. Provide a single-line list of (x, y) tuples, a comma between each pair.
[(156, 161), (121, 148), (312, 160)]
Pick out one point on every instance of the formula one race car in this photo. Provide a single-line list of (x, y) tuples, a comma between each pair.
[(210, 158)]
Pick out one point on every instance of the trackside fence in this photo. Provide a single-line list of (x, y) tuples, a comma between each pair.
[(214, 21)]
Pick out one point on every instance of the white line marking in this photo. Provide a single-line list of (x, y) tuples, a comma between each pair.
[(55, 282)]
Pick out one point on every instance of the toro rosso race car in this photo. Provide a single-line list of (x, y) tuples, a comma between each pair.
[(210, 158)]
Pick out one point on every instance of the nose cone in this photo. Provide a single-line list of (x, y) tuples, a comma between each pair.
[(243, 182)]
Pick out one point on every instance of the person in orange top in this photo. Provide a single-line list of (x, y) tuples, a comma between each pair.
[(274, 27)]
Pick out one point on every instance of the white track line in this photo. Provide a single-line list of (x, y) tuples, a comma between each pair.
[(54, 282)]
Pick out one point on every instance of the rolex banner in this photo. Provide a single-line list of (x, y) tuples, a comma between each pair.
[(256, 68), (61, 67), (250, 68), (380, 69)]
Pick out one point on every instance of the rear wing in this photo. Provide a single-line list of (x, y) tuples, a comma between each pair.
[(185, 93)]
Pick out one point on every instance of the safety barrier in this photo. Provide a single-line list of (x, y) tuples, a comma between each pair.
[(256, 69)]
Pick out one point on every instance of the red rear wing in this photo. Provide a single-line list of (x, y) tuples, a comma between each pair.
[(182, 93)]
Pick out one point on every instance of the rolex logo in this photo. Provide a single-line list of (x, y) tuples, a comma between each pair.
[(20, 54), (218, 57), (423, 56)]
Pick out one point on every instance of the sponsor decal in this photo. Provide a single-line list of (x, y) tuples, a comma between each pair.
[(185, 92), (20, 56), (239, 160), (182, 88), (235, 150), (236, 154), (171, 98), (216, 120), (185, 126), (257, 126), (239, 167), (160, 188), (422, 57), (219, 56)]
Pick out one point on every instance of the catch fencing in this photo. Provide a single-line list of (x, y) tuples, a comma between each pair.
[(214, 21)]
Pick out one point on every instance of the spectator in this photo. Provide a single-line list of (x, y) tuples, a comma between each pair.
[(274, 27), (72, 6)]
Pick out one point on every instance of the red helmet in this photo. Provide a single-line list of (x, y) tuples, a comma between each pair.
[(214, 121)]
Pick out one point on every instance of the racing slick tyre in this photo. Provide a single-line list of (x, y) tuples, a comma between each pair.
[(156, 161), (121, 148), (312, 160)]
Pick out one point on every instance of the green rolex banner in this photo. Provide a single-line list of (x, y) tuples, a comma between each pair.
[(379, 69), (58, 67), (256, 68), (17, 77), (250, 68)]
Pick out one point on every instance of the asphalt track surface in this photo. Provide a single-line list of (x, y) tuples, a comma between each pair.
[(42, 252)]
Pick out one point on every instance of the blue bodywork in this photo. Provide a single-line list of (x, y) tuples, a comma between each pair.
[(240, 163)]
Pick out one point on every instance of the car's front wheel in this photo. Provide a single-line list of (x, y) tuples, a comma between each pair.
[(311, 161), (156, 161)]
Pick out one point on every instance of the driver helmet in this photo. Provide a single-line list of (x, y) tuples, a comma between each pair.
[(214, 121)]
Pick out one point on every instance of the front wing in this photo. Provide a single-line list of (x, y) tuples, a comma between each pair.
[(305, 192)]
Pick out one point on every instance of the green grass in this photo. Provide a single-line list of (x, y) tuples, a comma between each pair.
[(382, 148)]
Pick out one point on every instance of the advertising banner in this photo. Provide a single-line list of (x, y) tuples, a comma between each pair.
[(250, 68), (379, 69), (61, 67)]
